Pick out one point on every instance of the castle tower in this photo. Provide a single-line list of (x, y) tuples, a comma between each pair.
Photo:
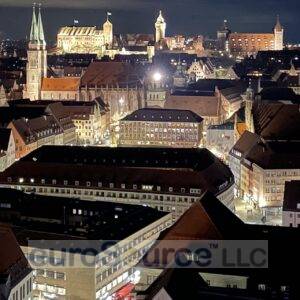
[(108, 31), (278, 35), (160, 28), (36, 68)]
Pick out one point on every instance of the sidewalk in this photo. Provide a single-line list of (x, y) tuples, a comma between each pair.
[(254, 216)]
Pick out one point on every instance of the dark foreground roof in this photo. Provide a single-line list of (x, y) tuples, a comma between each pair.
[(4, 138), (44, 217), (291, 200), (163, 115), (209, 219), (167, 167)]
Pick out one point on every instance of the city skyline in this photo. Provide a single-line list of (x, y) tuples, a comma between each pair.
[(204, 18)]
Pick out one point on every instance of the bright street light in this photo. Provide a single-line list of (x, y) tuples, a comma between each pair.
[(157, 76)]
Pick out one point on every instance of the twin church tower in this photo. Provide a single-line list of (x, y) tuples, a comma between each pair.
[(36, 68)]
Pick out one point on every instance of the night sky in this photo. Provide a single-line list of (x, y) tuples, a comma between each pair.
[(182, 16)]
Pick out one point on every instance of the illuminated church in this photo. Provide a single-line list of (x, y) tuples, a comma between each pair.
[(93, 40)]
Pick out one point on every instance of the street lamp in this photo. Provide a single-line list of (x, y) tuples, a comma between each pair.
[(157, 76)]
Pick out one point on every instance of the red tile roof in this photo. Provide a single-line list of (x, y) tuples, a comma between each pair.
[(64, 84)]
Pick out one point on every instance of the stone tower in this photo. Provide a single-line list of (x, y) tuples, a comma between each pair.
[(249, 99), (108, 31), (36, 68), (160, 28), (278, 35)]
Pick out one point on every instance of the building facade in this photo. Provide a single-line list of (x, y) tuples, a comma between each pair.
[(165, 179), (78, 39), (241, 44), (30, 134), (161, 128)]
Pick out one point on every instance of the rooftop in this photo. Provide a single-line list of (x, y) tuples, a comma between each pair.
[(163, 115), (209, 219), (291, 200), (277, 121), (166, 167), (45, 217), (111, 73), (64, 84), (12, 260)]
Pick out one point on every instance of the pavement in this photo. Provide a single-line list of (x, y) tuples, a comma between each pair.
[(254, 216)]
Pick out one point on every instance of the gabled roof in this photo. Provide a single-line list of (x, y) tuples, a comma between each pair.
[(207, 219), (204, 106), (246, 142), (12, 260), (111, 73), (277, 121)]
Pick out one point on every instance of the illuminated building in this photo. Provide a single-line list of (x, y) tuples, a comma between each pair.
[(30, 134), (163, 178), (83, 39), (220, 139), (161, 128), (241, 44), (160, 28), (96, 245)]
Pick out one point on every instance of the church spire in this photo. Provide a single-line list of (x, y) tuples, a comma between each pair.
[(278, 26), (33, 30), (40, 30)]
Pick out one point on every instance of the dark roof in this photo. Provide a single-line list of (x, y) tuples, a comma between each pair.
[(4, 138), (291, 200), (245, 143), (275, 155), (224, 126), (41, 215), (163, 115), (13, 263), (176, 282), (211, 220), (212, 84), (277, 121), (8, 114), (279, 94), (111, 73), (166, 167)]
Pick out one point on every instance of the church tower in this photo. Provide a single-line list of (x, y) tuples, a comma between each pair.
[(36, 68), (160, 28), (278, 35), (108, 31)]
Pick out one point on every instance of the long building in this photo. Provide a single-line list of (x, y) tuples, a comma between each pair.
[(80, 249), (242, 44), (162, 128), (163, 178)]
